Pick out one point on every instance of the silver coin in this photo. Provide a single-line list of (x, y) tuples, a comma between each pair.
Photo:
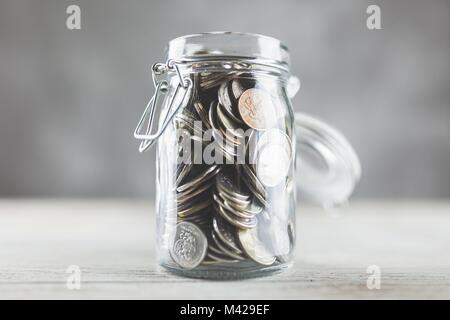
[(254, 247), (213, 79), (260, 195), (274, 157), (228, 184), (253, 178), (228, 150), (273, 165), (213, 247), (229, 126), (224, 97), (194, 192), (220, 258), (182, 170), (233, 197), (231, 218), (238, 213), (237, 88), (226, 233), (189, 210), (209, 173), (224, 249), (225, 100), (189, 245), (280, 240), (203, 114)]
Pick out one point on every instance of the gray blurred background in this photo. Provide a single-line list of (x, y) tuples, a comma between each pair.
[(69, 100)]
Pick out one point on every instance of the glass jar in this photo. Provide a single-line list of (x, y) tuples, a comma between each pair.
[(227, 143)]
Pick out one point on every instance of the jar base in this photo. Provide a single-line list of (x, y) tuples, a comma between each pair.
[(227, 273)]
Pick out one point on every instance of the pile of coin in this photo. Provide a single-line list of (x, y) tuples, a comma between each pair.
[(221, 209)]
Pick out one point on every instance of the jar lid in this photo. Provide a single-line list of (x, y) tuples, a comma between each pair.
[(327, 165), (211, 45)]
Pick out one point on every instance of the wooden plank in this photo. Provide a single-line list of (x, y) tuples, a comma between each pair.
[(113, 243)]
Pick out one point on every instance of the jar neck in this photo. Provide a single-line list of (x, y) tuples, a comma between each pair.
[(233, 64)]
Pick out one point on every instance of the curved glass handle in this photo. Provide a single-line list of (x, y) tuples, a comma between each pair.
[(327, 166)]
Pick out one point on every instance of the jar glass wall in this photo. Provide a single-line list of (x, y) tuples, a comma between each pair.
[(226, 197)]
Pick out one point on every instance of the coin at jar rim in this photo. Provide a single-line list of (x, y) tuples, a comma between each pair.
[(213, 79), (254, 248), (274, 157), (256, 109), (188, 246)]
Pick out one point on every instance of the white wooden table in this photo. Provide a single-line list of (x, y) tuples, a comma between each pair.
[(112, 241)]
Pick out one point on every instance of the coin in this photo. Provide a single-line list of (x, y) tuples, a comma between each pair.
[(274, 156), (225, 250), (194, 192), (281, 242), (254, 247), (227, 149), (226, 233), (189, 210), (230, 217), (209, 173), (227, 184), (218, 214), (273, 165), (203, 114), (220, 258), (256, 109), (227, 100), (237, 213), (213, 79), (182, 170), (189, 244)]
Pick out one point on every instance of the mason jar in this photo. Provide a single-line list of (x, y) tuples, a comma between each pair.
[(227, 143)]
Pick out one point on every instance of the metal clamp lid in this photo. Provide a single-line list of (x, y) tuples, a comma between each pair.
[(161, 88)]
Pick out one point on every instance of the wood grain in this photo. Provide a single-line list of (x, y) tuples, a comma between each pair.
[(113, 243)]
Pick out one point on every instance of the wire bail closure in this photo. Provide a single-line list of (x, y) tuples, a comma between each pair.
[(161, 88)]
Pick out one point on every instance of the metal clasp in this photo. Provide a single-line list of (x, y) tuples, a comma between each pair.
[(161, 87)]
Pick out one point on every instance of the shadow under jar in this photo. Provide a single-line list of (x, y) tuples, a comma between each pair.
[(226, 149)]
